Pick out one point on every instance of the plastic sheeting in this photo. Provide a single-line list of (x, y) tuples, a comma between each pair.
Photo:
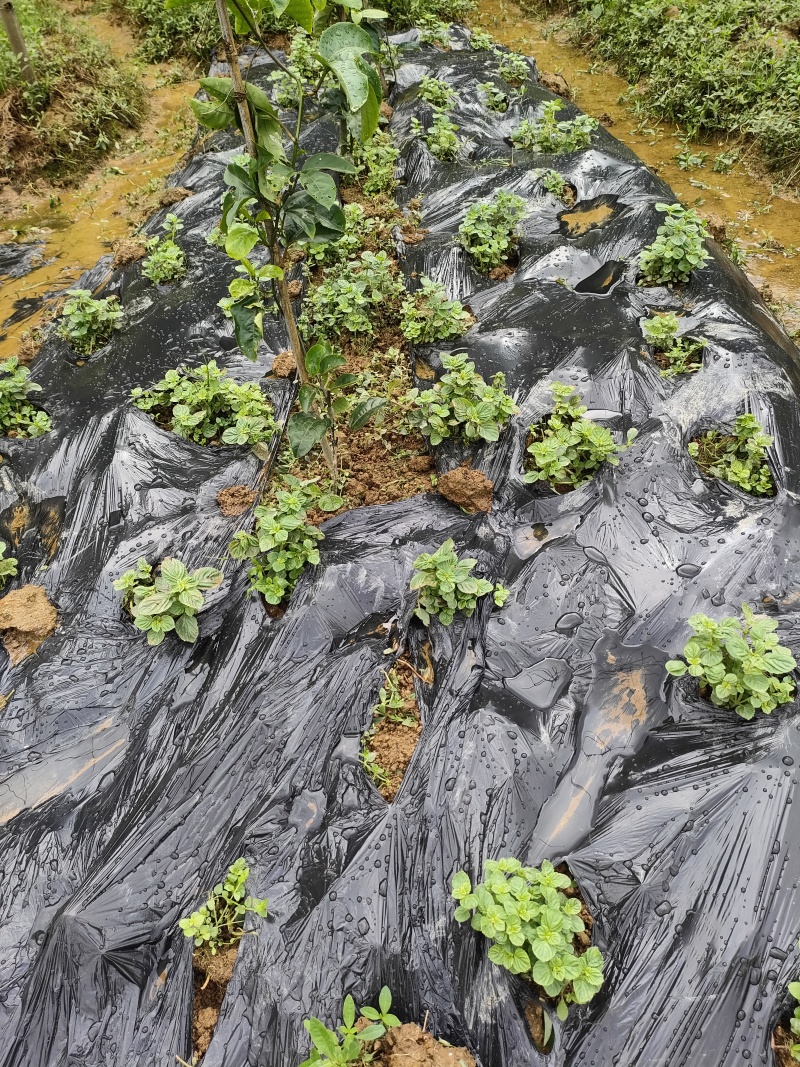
[(132, 777)]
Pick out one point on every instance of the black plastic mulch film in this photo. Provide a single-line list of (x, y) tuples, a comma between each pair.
[(133, 777)]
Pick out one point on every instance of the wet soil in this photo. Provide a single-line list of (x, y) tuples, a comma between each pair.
[(411, 1046), (26, 618), (393, 743), (782, 1041), (211, 976), (235, 500), (468, 489)]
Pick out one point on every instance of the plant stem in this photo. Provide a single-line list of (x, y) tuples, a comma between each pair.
[(239, 90)]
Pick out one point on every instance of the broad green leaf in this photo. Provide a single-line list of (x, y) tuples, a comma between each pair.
[(218, 88), (366, 410), (302, 12), (341, 39), (329, 161), (320, 186), (323, 1038), (304, 431), (315, 356), (240, 240), (247, 328), (211, 114), (186, 628)]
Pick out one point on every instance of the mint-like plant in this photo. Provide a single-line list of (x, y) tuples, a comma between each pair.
[(8, 567), (512, 67), (532, 924), (481, 41), (461, 404), (283, 542), (356, 227), (489, 231), (675, 355), (433, 31), (445, 585), (493, 97), (437, 92), (375, 160), (220, 921), (166, 261), (556, 184), (441, 138), (564, 448), (204, 405), (547, 134), (168, 601), (738, 664), (678, 249), (348, 296), (739, 458), (88, 323), (427, 315), (353, 1047), (18, 417)]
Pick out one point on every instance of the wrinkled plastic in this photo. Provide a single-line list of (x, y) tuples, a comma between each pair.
[(134, 776)]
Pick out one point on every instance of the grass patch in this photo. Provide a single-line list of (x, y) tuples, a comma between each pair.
[(188, 32), (729, 67), (81, 104)]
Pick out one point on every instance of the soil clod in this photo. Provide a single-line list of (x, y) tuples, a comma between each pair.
[(211, 977), (555, 83), (26, 618), (235, 500), (128, 250), (411, 1046), (468, 489), (284, 365)]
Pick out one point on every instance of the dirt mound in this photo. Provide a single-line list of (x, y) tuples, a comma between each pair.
[(408, 1045), (556, 83), (235, 500), (128, 250), (469, 489), (211, 977), (26, 618), (284, 365)]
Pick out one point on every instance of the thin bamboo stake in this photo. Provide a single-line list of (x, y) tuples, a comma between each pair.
[(11, 26), (239, 91)]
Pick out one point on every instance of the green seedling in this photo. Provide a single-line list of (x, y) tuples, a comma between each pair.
[(676, 355), (437, 93), (166, 261), (168, 601), (442, 137), (490, 232), (739, 458), (445, 585), (678, 248), (219, 922), (88, 323), (547, 134), (18, 417), (353, 1047), (427, 315)]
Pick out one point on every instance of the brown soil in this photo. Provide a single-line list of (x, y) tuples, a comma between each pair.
[(235, 500), (295, 288), (284, 365), (26, 618), (555, 83), (411, 1046), (173, 195), (211, 977), (534, 1017), (469, 489), (393, 743), (605, 120), (582, 220), (499, 274), (128, 250), (782, 1041)]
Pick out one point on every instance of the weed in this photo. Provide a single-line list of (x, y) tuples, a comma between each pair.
[(493, 97), (461, 404), (204, 405), (547, 134), (489, 230), (167, 260), (512, 67), (220, 921), (283, 543), (168, 601), (556, 184), (688, 160), (427, 315), (167, 32), (8, 567), (349, 295), (739, 457), (301, 67), (437, 93), (356, 228), (723, 163), (375, 160), (88, 323), (441, 138), (565, 449), (676, 355), (18, 417), (481, 41), (738, 664), (433, 31), (388, 709), (445, 585), (678, 248), (329, 1050), (533, 924)]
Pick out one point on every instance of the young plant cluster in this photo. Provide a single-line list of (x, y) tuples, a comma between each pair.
[(375, 160), (219, 922), (357, 227), (354, 1045), (166, 261), (532, 924), (441, 137), (445, 585), (169, 600), (739, 458), (547, 134), (493, 97), (427, 315), (738, 664), (512, 67), (557, 185), (481, 41), (675, 355), (204, 405), (88, 323), (437, 93), (350, 297), (490, 232), (18, 417), (389, 709), (564, 448), (678, 248), (283, 542), (461, 404), (8, 567)]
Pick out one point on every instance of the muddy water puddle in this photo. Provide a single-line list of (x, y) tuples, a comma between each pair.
[(69, 229), (765, 222)]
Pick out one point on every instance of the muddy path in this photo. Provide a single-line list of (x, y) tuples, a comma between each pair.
[(69, 229), (763, 220)]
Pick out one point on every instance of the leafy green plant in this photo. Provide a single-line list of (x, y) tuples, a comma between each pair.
[(556, 184), (493, 97), (437, 93), (433, 31), (688, 160), (283, 542), (723, 163), (18, 417), (375, 160), (547, 134), (8, 567), (512, 67), (461, 404), (489, 231), (565, 449), (220, 921), (166, 261), (88, 323), (168, 601), (481, 41), (427, 315), (445, 585), (204, 405), (675, 355), (349, 295), (738, 664), (739, 457), (356, 227), (532, 924), (678, 248), (329, 1050), (441, 138)]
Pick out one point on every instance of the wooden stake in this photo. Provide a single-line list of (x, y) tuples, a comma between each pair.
[(11, 26), (239, 91)]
